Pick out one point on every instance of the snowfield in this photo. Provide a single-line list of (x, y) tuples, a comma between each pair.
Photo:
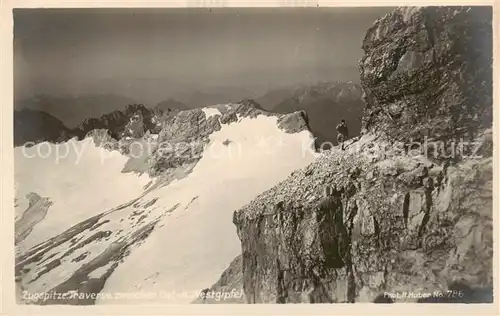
[(174, 239)]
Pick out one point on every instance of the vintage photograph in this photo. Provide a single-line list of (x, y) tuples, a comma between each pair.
[(253, 155)]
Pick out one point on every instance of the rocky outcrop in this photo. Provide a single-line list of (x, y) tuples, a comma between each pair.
[(84, 283), (395, 220), (132, 122), (428, 72)]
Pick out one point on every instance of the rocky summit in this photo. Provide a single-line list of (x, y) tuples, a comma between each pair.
[(386, 216)]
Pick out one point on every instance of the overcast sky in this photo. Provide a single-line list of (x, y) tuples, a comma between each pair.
[(63, 51)]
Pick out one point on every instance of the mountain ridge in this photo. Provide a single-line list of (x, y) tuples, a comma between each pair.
[(170, 185)]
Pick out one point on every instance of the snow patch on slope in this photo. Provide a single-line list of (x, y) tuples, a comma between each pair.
[(209, 112)]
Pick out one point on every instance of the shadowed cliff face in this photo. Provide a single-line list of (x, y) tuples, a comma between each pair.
[(397, 221)]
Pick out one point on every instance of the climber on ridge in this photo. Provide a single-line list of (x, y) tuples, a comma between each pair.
[(342, 133)]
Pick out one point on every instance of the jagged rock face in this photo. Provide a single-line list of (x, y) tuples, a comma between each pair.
[(37, 126), (135, 127), (428, 72), (133, 122), (391, 225)]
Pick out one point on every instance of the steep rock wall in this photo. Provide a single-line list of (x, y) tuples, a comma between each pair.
[(392, 225)]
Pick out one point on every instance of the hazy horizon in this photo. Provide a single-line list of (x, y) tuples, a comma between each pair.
[(154, 54)]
